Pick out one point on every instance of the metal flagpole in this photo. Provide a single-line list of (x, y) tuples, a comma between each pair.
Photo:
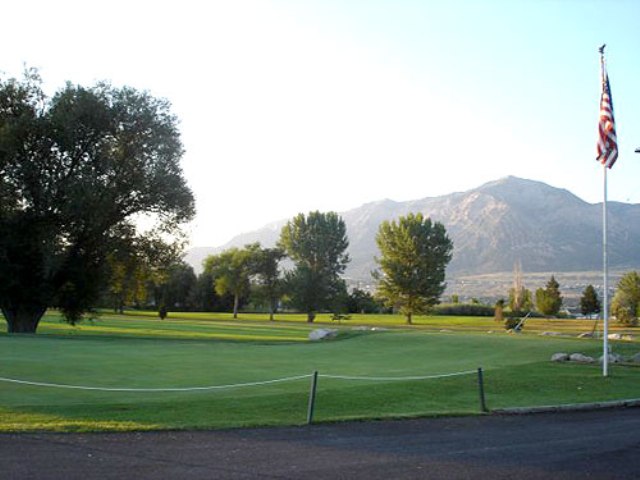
[(605, 296), (607, 154)]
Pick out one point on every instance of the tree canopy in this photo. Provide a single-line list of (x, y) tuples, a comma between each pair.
[(317, 244), (231, 271), (626, 302), (76, 171), (414, 254), (549, 299)]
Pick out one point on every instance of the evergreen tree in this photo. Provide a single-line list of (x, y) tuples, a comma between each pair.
[(589, 302), (549, 299)]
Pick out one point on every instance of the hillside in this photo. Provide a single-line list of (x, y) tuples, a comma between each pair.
[(547, 229)]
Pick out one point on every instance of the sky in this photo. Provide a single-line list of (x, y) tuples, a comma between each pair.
[(290, 106)]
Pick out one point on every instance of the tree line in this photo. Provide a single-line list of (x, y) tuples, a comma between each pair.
[(78, 170), (414, 254), (547, 301)]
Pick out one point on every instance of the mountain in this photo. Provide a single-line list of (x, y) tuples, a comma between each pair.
[(547, 229)]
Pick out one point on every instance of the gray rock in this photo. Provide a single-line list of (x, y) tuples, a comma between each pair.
[(586, 335), (613, 358), (559, 357), (635, 358), (619, 336), (322, 334), (581, 358)]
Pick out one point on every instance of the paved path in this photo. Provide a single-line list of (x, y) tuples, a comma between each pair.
[(578, 445)]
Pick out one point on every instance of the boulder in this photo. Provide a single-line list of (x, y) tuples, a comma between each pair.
[(322, 334), (581, 358), (619, 336), (635, 358), (559, 357), (586, 335), (613, 358)]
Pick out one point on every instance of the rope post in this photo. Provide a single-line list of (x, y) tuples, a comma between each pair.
[(483, 403), (312, 397)]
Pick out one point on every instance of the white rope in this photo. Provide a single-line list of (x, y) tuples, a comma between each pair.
[(229, 386), (185, 389), (391, 379)]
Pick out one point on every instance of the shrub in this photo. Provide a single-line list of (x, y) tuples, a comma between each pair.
[(465, 309), (511, 323)]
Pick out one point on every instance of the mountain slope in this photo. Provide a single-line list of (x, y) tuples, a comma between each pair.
[(547, 229)]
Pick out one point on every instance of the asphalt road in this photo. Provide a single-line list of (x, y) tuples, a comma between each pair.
[(576, 445)]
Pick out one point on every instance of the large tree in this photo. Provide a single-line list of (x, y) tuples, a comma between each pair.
[(74, 170), (414, 253), (317, 244), (232, 271), (626, 302)]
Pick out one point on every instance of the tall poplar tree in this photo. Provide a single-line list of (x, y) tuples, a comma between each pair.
[(414, 254), (317, 245)]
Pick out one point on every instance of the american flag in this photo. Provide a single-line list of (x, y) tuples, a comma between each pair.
[(607, 142)]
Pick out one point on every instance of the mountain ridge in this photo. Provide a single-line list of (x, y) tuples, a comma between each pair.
[(492, 226)]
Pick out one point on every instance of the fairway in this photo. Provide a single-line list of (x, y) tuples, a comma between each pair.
[(140, 373)]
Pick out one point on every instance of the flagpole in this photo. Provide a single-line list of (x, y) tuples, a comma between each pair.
[(607, 156), (605, 296)]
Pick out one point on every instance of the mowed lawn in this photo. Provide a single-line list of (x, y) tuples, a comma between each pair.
[(194, 351)]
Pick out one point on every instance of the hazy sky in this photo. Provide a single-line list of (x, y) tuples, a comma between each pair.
[(293, 106)]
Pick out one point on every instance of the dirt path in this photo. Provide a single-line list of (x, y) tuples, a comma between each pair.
[(594, 445)]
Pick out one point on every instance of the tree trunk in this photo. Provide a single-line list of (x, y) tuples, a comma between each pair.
[(236, 303), (310, 317), (409, 318), (23, 318)]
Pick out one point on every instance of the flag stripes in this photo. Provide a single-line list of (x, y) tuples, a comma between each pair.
[(607, 147)]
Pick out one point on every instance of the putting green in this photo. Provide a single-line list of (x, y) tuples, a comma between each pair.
[(125, 353)]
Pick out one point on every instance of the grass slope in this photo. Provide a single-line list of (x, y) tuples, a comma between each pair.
[(192, 350)]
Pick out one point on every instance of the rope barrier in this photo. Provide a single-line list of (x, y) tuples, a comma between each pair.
[(177, 389), (399, 379), (230, 386)]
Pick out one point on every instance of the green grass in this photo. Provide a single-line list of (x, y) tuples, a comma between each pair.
[(186, 350)]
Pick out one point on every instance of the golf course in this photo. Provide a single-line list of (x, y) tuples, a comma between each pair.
[(134, 372)]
